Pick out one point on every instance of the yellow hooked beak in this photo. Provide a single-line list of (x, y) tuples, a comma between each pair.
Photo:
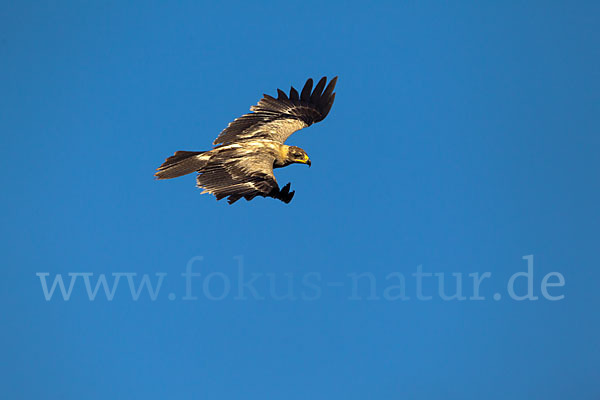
[(305, 160)]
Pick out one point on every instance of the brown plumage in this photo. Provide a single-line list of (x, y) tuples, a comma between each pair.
[(241, 164)]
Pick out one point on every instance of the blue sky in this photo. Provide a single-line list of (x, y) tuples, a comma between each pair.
[(464, 137)]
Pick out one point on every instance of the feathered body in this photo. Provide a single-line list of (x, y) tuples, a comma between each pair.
[(241, 165)]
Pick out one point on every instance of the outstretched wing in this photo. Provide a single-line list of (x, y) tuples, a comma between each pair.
[(238, 173), (277, 118)]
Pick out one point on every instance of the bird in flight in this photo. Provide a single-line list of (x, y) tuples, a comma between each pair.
[(246, 152)]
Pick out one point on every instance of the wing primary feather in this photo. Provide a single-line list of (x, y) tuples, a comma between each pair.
[(294, 94), (316, 94), (328, 91), (327, 108), (281, 95), (277, 118), (305, 95)]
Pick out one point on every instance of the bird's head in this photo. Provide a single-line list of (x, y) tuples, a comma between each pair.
[(297, 155)]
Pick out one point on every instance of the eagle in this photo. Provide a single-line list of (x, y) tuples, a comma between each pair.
[(245, 153)]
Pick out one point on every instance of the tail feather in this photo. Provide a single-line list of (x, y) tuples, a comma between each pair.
[(181, 163)]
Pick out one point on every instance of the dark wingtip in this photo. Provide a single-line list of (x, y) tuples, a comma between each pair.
[(305, 95), (284, 194), (318, 91), (327, 107), (329, 90), (281, 95), (289, 197), (294, 94)]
